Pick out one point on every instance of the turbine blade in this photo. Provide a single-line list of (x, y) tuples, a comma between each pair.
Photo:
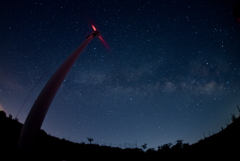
[(94, 28), (104, 42)]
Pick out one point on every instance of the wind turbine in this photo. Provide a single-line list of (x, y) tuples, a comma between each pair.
[(40, 107), (100, 37)]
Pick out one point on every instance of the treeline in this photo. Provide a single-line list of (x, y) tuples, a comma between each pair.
[(47, 147)]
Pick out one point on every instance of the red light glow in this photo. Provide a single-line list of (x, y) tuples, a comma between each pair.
[(94, 28)]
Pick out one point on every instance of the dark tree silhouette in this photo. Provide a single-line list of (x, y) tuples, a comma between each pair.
[(185, 145), (10, 116), (166, 147), (16, 119), (151, 151), (90, 140), (3, 114), (233, 117), (144, 146), (179, 142), (178, 146)]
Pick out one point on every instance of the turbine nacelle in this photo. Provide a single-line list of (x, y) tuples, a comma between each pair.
[(97, 33)]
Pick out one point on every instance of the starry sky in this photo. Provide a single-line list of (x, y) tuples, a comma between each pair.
[(173, 71)]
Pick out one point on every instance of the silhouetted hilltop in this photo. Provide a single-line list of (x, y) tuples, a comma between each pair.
[(224, 144), (47, 147)]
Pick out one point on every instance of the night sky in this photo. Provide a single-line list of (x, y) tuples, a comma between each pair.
[(173, 71)]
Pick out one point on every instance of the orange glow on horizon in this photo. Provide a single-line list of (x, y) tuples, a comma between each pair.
[(1, 108)]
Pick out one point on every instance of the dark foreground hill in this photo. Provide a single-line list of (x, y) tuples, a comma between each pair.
[(223, 145)]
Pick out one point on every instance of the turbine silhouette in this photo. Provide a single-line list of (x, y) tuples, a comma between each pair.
[(40, 107)]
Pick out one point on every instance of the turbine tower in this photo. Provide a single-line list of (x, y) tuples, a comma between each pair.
[(40, 107)]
